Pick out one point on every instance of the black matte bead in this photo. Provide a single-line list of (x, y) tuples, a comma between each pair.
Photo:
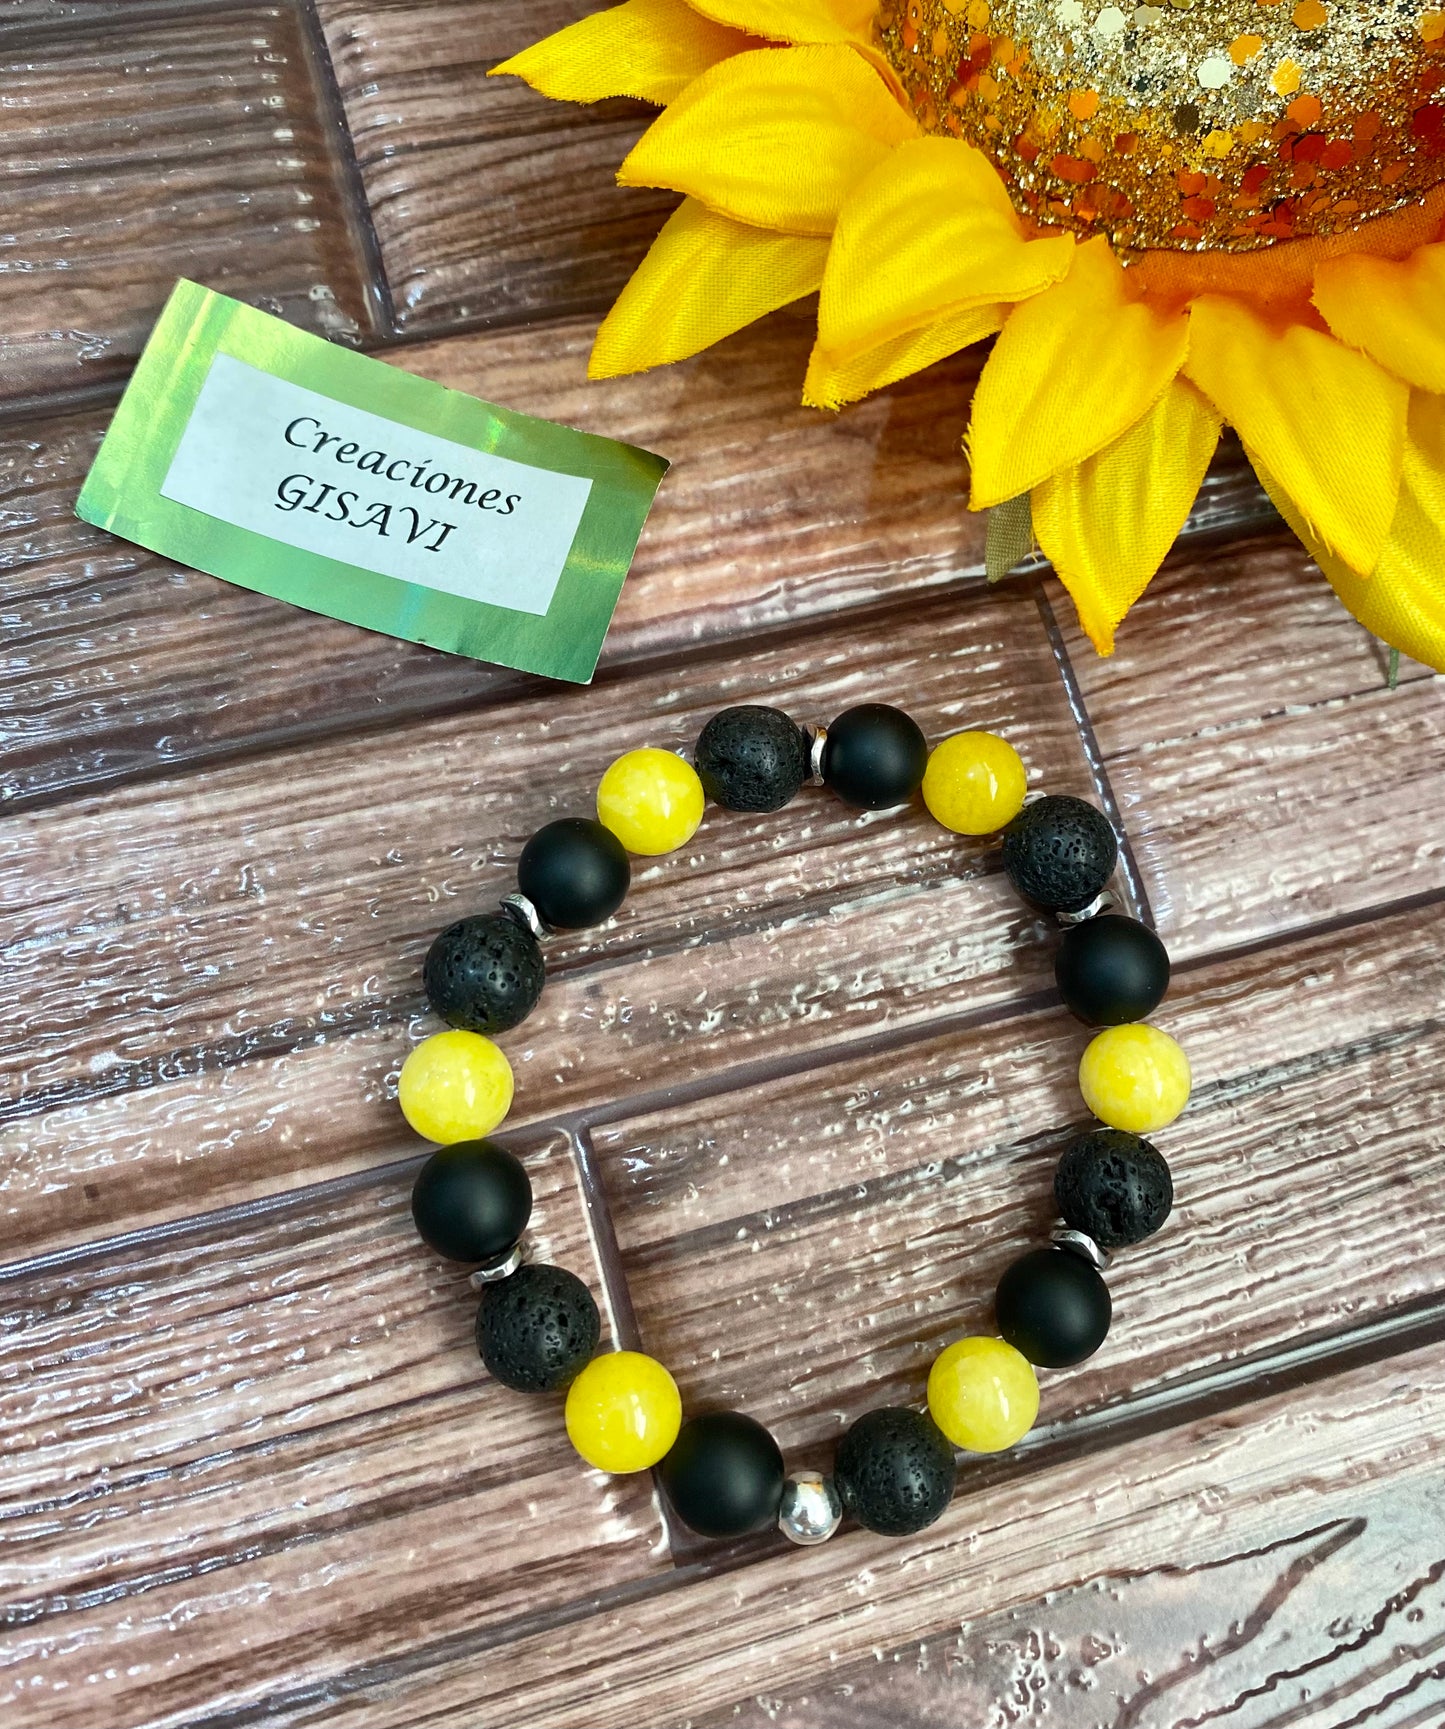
[(1111, 970), (484, 974), (471, 1201), (894, 1471), (575, 872), (751, 758), (723, 1475), (1053, 1307), (874, 756), (1114, 1186), (537, 1330), (1059, 852)]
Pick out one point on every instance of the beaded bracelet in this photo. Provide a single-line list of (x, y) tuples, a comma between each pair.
[(538, 1326)]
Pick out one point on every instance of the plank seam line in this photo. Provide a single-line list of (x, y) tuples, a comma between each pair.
[(606, 1250), (1093, 755), (336, 128), (575, 1125), (612, 1270), (739, 1076), (221, 1055), (901, 1182), (506, 687), (1422, 900), (1257, 1374), (961, 586), (30, 33), (762, 1071), (1217, 1394)]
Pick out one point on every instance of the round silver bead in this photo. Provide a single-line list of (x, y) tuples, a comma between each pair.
[(815, 755), (1101, 903), (521, 909), (499, 1270), (1082, 1244), (810, 1511)]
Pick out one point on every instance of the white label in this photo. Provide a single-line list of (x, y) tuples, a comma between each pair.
[(262, 453)]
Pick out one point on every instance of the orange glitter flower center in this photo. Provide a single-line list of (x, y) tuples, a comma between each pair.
[(1188, 126)]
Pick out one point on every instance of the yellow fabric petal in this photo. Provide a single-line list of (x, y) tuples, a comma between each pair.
[(650, 49), (1394, 311), (801, 21), (703, 278), (1324, 419), (1106, 525), (807, 22), (1403, 601), (1076, 366), (928, 233), (833, 381), (778, 137), (804, 21)]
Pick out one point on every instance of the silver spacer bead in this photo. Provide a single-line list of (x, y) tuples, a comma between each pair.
[(499, 1270), (517, 906), (1101, 903), (815, 755), (1034, 796), (1080, 1243), (810, 1511)]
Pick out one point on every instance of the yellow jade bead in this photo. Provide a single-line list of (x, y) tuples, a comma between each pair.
[(983, 1394), (1134, 1077), (651, 800), (974, 783), (623, 1412), (455, 1086)]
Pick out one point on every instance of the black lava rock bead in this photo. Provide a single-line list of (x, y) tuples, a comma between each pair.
[(1111, 970), (1059, 852), (894, 1471), (484, 974), (1114, 1186), (537, 1330), (874, 756), (751, 758), (471, 1201), (1053, 1307), (575, 872), (723, 1475)]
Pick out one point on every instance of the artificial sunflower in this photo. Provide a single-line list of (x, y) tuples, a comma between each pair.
[(1172, 217)]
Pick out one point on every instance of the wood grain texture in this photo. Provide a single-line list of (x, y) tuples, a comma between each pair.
[(274, 1434), (1269, 776), (1331, 1624), (140, 151), (770, 937), (1210, 1487), (803, 1249), (492, 205)]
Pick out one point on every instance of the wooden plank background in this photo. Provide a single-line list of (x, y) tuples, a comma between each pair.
[(790, 1113)]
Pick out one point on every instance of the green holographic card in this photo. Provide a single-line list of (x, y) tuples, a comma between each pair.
[(273, 459)]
